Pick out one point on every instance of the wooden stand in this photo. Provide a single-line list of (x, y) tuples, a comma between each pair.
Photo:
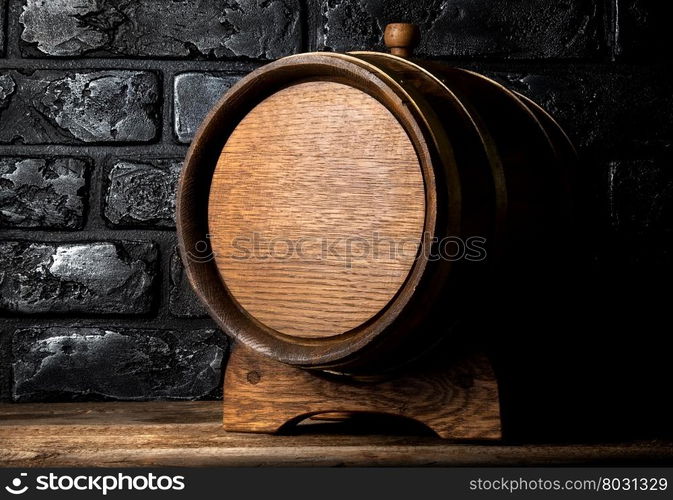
[(456, 402)]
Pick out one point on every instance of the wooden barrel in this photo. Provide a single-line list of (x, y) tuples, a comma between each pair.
[(337, 211)]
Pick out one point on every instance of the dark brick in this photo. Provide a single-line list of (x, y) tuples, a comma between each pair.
[(183, 300), (89, 278), (3, 10), (142, 194), (76, 107), (641, 196), (607, 112), (496, 28), (642, 29), (635, 254), (5, 365), (95, 363), (7, 89), (42, 193), (160, 28), (194, 95)]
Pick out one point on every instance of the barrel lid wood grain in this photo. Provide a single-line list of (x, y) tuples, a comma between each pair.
[(316, 209)]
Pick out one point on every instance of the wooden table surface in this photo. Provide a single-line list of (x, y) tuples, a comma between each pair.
[(190, 434)]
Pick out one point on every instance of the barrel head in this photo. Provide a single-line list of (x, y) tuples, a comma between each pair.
[(316, 209)]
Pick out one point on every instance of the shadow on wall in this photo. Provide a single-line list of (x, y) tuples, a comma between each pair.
[(581, 344)]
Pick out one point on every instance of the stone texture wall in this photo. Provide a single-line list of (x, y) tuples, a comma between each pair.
[(99, 100)]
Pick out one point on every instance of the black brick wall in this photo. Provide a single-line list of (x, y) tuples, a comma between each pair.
[(98, 103)]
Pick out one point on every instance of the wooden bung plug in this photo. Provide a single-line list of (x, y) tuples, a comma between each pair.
[(402, 38)]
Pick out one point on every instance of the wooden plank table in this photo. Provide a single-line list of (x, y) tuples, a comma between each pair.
[(190, 434)]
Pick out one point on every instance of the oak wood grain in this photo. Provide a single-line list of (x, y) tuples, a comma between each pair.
[(316, 209), (191, 434)]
